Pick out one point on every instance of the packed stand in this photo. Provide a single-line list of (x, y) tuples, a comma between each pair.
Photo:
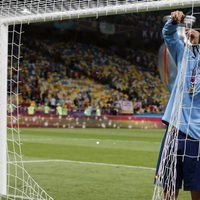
[(66, 78)]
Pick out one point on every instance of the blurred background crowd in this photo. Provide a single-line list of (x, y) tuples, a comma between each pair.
[(93, 66)]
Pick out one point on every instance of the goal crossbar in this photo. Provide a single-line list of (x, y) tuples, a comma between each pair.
[(38, 11)]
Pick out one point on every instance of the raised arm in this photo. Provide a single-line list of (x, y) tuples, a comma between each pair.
[(170, 35)]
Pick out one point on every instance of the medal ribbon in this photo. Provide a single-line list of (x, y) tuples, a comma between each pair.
[(194, 72)]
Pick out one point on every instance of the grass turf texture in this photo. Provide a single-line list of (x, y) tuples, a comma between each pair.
[(84, 181)]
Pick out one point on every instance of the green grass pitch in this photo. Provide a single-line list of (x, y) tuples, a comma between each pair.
[(69, 162)]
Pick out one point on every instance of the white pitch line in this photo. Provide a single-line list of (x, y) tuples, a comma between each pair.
[(86, 163)]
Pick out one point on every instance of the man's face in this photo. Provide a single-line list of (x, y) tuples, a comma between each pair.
[(192, 35)]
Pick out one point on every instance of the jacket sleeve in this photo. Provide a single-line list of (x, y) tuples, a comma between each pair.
[(172, 40)]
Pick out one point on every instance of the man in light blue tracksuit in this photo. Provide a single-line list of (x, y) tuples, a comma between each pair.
[(188, 169)]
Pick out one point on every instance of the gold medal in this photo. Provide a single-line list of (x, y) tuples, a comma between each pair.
[(191, 90)]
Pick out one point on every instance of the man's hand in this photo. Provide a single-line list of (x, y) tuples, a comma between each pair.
[(192, 35), (177, 16)]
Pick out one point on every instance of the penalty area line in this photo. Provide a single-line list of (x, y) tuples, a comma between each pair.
[(85, 163)]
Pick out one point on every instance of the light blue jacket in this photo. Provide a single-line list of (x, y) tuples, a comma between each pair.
[(190, 112)]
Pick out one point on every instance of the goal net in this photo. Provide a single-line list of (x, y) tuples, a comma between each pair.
[(15, 182), (176, 147), (19, 184)]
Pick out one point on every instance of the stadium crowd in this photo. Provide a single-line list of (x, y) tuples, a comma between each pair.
[(80, 76), (65, 78)]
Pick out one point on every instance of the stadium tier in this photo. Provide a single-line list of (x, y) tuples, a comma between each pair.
[(60, 73)]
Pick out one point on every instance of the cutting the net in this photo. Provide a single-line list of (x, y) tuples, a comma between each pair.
[(178, 162)]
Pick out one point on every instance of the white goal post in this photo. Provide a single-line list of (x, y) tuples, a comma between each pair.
[(3, 107), (14, 12)]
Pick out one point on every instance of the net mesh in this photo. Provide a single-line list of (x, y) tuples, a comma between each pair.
[(20, 185), (49, 10), (166, 180), (17, 7)]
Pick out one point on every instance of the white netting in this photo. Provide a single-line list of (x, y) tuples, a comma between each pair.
[(48, 10), (20, 185), (166, 184)]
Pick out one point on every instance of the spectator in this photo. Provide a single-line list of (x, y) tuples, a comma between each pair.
[(31, 110)]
